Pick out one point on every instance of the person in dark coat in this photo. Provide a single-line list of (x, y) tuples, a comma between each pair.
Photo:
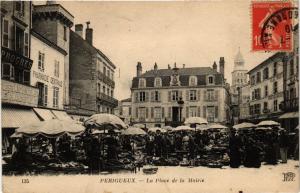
[(112, 145), (270, 150), (283, 145), (252, 158), (158, 143), (192, 146), (234, 150), (150, 145)]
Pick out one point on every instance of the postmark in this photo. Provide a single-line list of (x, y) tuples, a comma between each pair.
[(272, 25)]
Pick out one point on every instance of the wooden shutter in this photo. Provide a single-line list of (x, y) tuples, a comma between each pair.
[(137, 112), (152, 112), (146, 96), (152, 96), (187, 92), (147, 113), (216, 112), (204, 111), (45, 95), (217, 95), (205, 95), (187, 112), (199, 111), (159, 99), (13, 37), (136, 94), (162, 112), (169, 96), (169, 112), (198, 95)]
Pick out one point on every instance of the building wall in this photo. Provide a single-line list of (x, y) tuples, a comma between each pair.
[(201, 104), (271, 97), (51, 55), (244, 111)]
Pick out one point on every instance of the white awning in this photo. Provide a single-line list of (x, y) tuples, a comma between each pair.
[(62, 115), (289, 115), (16, 117), (45, 114)]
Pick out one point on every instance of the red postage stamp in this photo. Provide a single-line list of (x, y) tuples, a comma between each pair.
[(272, 25)]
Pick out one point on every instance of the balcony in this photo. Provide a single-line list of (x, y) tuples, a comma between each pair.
[(106, 79), (19, 94), (107, 99), (291, 105)]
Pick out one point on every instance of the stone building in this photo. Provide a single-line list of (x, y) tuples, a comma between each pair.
[(17, 96), (244, 103), (124, 110), (239, 79), (155, 95), (290, 119), (91, 76), (266, 88)]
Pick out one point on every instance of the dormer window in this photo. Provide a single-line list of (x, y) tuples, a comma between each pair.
[(157, 82), (142, 83), (211, 80), (193, 81)]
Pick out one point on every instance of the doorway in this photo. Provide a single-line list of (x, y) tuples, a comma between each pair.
[(175, 114)]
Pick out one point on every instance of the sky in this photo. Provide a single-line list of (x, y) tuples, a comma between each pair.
[(192, 33)]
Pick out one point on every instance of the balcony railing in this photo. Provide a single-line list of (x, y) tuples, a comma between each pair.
[(108, 99), (106, 79)]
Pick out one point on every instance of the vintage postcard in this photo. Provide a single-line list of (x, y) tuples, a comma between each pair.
[(150, 96)]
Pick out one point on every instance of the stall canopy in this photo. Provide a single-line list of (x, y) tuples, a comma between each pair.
[(14, 118), (62, 115), (289, 115), (45, 114)]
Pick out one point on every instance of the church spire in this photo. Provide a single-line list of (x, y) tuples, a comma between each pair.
[(239, 60)]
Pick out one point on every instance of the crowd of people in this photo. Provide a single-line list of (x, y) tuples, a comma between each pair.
[(248, 147)]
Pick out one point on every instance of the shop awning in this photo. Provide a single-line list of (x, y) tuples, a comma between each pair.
[(289, 115), (62, 115), (45, 114), (16, 117)]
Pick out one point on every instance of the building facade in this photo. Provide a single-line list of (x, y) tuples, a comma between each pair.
[(244, 103), (91, 76), (17, 96), (290, 119), (239, 79), (155, 95), (266, 89), (124, 110)]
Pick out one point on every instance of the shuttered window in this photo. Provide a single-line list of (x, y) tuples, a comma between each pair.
[(5, 42)]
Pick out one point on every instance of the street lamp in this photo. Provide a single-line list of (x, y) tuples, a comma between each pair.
[(180, 103)]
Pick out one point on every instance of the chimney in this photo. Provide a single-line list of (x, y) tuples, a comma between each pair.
[(49, 2), (155, 66), (89, 33), (183, 65), (139, 69), (79, 29), (222, 65), (169, 67), (215, 67)]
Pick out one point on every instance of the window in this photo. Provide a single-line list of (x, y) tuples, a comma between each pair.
[(98, 88), (19, 40), (112, 93), (104, 89), (265, 105), (253, 95), (193, 81), (275, 87), (265, 73), (26, 77), (8, 72), (108, 73), (266, 91), (41, 61), (142, 83), (5, 41), (257, 109), (257, 93), (65, 33), (43, 94), (26, 45), (258, 77), (275, 69), (275, 105), (19, 7), (99, 109), (252, 80), (193, 96), (210, 79), (156, 96), (129, 111), (56, 68), (142, 96), (104, 70), (291, 67), (210, 95), (174, 95), (108, 91), (157, 112), (157, 82), (142, 113), (193, 112), (55, 96)]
